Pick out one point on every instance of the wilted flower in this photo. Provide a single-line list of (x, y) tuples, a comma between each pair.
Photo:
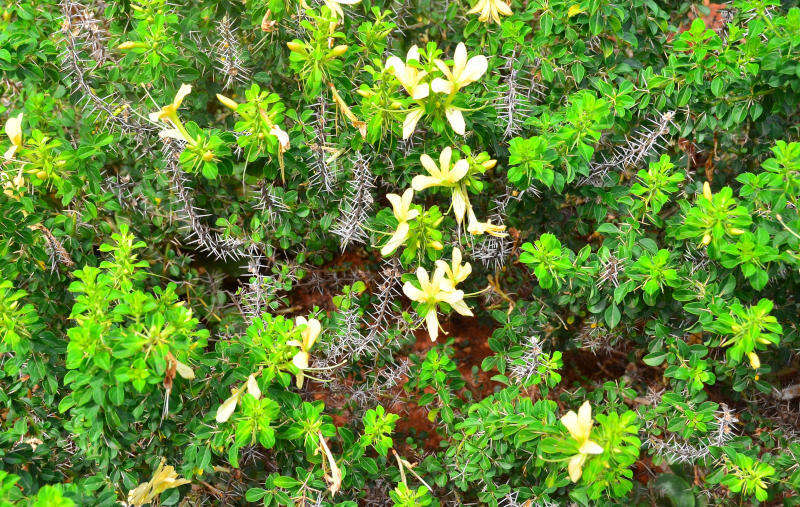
[(401, 208), (334, 479), (14, 133), (163, 479), (309, 334), (491, 10), (580, 427), (476, 228), (334, 6), (433, 291), (225, 410)]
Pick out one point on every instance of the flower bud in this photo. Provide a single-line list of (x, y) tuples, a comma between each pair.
[(131, 45), (41, 175), (295, 46), (755, 362), (229, 103), (339, 50), (736, 232), (706, 239), (707, 190)]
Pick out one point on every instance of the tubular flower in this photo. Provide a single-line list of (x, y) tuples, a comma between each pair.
[(14, 133), (169, 115), (580, 427), (455, 272), (225, 411), (476, 228), (491, 10), (433, 291), (308, 336), (401, 207)]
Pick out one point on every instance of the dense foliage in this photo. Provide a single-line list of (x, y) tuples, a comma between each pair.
[(355, 252)]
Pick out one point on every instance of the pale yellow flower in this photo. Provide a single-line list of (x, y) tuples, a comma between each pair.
[(163, 479), (476, 228), (443, 175), (408, 75), (463, 73), (446, 175), (580, 427), (491, 10), (434, 290), (401, 208), (225, 411), (455, 272), (14, 133), (309, 333), (410, 78), (334, 6), (169, 114)]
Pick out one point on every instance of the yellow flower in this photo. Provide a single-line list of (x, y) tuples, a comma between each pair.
[(163, 479), (225, 411), (333, 5), (309, 333), (401, 208), (476, 228), (462, 74), (408, 75), (580, 427), (433, 291), (410, 78), (455, 272), (169, 115), (445, 175), (491, 9), (14, 133)]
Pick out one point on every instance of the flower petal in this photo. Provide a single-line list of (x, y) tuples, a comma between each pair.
[(225, 410), (421, 91), (183, 91), (456, 120), (570, 421), (398, 238), (421, 182), (476, 67), (460, 169), (459, 60), (575, 467), (429, 165), (413, 293), (439, 85), (590, 447), (432, 323), (444, 159), (410, 122), (252, 387), (459, 201)]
